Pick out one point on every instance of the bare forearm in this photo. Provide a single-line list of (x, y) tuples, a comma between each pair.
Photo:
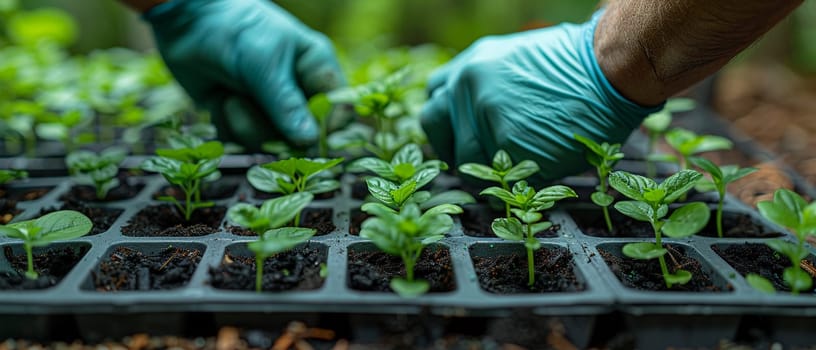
[(142, 5), (652, 49)]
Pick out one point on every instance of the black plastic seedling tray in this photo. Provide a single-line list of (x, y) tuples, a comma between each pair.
[(655, 318)]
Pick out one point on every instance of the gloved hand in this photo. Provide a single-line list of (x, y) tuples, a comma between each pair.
[(527, 93), (250, 63)]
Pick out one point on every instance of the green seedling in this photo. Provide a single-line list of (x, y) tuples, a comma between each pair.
[(503, 172), (275, 241), (404, 166), (790, 210), (405, 234), (42, 231), (603, 157), (273, 213), (188, 176), (687, 143), (65, 128), (321, 107), (720, 178), (658, 123), (8, 175), (98, 170), (650, 203), (527, 205)]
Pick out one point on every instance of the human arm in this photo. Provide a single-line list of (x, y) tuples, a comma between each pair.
[(650, 50), (529, 93)]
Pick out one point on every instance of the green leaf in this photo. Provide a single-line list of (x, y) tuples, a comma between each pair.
[(404, 171), (62, 225), (12, 232), (451, 197), (540, 227), (246, 215), (687, 220), (443, 209), (643, 250), (532, 244), (50, 25), (662, 157), (320, 106), (317, 186), (797, 279), (680, 104), (678, 184), (527, 217), (760, 283), (500, 193), (521, 171), (630, 185), (707, 166), (553, 193), (705, 185), (409, 289), (425, 176), (376, 165), (708, 143), (602, 199), (266, 180), (479, 171), (636, 210), (678, 277), (403, 192), (593, 146), (509, 229), (654, 195), (381, 189), (785, 209), (502, 161), (408, 154), (733, 173), (658, 122), (280, 211), (787, 249), (280, 240)]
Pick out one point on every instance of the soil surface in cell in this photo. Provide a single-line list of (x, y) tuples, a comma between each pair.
[(25, 193), (373, 270), (737, 225), (319, 219), (131, 269), (51, 265), (220, 189), (88, 193), (359, 189), (8, 210), (762, 260), (357, 218), (477, 221), (592, 223), (297, 269), (102, 218), (646, 275), (166, 221), (508, 273)]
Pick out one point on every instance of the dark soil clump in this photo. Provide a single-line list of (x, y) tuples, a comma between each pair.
[(25, 193), (357, 218), (477, 221), (88, 193), (8, 210), (166, 221), (359, 189), (507, 274), (646, 275), (131, 269), (592, 223), (759, 259), (102, 218), (373, 270), (319, 219), (737, 225), (297, 269), (51, 265)]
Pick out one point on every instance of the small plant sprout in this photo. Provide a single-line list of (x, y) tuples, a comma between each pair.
[(603, 157), (658, 123), (790, 210), (405, 164), (687, 143), (273, 213), (650, 203), (321, 108), (405, 234), (527, 205), (503, 172), (275, 241), (40, 232), (8, 175), (98, 170), (178, 168), (720, 178)]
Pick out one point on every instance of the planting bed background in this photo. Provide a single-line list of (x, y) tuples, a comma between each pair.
[(724, 304)]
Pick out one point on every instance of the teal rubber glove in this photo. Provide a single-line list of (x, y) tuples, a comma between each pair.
[(250, 63), (527, 93)]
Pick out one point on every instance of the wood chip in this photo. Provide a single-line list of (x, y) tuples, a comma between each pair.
[(138, 341), (228, 339)]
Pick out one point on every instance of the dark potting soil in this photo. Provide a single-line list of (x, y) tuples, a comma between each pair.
[(131, 269), (8, 210), (356, 222), (319, 219), (166, 221), (51, 265), (102, 218), (297, 269), (210, 191), (759, 259), (592, 223), (88, 194), (359, 189), (507, 274), (737, 225), (373, 270), (24, 193), (646, 275), (477, 219)]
